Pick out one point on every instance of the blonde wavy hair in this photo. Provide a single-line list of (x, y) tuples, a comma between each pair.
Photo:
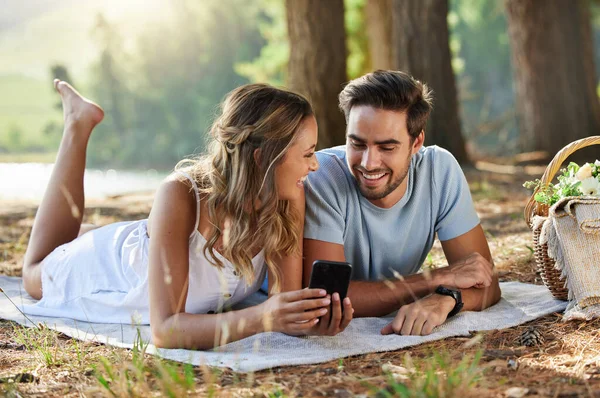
[(239, 187)]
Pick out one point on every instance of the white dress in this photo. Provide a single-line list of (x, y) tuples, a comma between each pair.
[(102, 276)]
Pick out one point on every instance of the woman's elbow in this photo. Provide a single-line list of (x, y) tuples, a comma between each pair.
[(158, 336)]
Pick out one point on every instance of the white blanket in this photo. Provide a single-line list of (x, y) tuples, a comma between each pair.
[(520, 303)]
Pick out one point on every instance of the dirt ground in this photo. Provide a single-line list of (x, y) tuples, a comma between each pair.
[(566, 364)]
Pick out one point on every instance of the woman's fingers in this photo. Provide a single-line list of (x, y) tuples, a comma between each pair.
[(309, 304), (301, 327), (303, 294), (306, 315), (336, 314), (348, 314)]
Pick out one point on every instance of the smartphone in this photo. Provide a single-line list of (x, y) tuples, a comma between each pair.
[(333, 276)]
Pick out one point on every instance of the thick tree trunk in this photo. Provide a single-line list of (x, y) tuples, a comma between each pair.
[(552, 55), (379, 33), (421, 48), (317, 66)]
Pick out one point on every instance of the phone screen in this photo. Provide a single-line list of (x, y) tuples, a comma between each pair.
[(332, 276)]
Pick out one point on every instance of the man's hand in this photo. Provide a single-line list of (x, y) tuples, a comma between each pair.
[(419, 318), (472, 271), (335, 320)]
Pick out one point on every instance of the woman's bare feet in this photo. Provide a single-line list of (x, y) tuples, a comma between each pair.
[(77, 109)]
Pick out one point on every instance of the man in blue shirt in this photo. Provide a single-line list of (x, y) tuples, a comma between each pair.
[(379, 201)]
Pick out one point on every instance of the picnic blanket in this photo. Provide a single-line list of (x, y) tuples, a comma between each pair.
[(520, 303)]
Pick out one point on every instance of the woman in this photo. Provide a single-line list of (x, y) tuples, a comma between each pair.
[(215, 223)]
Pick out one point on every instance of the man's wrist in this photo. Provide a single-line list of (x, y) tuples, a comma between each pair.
[(447, 303), (441, 276)]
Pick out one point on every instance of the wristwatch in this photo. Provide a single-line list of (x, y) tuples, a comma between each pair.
[(455, 294)]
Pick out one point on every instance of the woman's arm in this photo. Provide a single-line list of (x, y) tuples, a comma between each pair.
[(170, 224), (293, 275), (290, 267)]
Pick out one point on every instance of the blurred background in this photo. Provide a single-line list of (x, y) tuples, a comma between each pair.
[(513, 80)]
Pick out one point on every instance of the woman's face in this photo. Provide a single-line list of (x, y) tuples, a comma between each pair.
[(299, 160)]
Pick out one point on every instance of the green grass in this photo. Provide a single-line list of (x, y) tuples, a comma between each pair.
[(46, 157), (26, 108), (435, 376)]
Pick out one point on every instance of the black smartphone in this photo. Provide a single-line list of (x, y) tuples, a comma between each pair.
[(333, 276)]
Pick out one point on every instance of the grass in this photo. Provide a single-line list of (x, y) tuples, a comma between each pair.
[(46, 157), (435, 376), (26, 108)]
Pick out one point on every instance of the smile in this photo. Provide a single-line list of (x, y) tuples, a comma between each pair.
[(373, 176), (373, 180)]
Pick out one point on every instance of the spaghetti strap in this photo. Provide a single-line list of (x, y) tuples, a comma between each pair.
[(186, 175)]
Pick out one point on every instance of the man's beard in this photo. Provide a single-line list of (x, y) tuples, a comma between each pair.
[(388, 188)]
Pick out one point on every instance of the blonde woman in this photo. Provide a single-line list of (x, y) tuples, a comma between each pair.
[(216, 225)]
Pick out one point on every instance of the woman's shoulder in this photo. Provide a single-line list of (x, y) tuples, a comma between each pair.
[(175, 200)]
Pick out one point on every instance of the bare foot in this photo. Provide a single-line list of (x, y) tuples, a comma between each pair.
[(77, 109)]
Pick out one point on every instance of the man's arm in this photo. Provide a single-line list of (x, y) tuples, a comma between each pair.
[(476, 298), (382, 297)]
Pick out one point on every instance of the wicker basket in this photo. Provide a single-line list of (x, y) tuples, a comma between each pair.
[(550, 275)]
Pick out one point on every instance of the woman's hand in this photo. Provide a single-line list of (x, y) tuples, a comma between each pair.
[(335, 320), (294, 313)]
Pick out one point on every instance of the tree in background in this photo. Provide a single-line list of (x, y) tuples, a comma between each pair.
[(110, 88), (481, 64), (379, 31), (552, 55), (170, 85), (317, 63), (421, 48), (53, 129)]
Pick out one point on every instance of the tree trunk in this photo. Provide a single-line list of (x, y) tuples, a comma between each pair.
[(421, 48), (317, 65), (379, 33), (552, 56)]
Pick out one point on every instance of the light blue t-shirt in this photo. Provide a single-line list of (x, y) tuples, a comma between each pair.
[(379, 241)]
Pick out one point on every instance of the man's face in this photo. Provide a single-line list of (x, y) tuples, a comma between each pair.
[(378, 152)]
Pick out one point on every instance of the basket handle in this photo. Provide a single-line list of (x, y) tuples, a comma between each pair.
[(554, 166)]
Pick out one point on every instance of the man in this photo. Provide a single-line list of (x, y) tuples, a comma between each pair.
[(379, 202)]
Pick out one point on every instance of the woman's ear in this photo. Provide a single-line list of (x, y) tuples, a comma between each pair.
[(257, 156)]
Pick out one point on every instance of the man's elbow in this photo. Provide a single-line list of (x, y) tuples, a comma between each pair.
[(493, 296)]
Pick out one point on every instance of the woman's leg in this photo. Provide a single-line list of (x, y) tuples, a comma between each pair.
[(59, 216)]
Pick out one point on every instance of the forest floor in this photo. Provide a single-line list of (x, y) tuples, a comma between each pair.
[(567, 364)]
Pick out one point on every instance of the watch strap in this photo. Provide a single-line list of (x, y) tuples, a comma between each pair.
[(455, 294)]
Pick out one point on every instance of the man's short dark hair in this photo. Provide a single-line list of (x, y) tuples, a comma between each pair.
[(390, 90)]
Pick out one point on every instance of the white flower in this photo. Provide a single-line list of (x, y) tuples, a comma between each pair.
[(597, 162), (136, 318), (590, 186), (584, 172)]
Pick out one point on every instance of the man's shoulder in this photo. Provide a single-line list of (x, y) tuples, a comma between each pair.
[(435, 157), (334, 155), (332, 179), (332, 164)]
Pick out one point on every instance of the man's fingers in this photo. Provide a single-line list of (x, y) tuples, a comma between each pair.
[(418, 326), (427, 328), (387, 329), (407, 325)]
